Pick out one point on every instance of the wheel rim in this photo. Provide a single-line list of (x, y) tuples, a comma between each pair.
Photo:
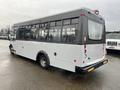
[(43, 62)]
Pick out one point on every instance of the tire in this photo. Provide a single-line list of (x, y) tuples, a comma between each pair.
[(11, 50), (43, 61)]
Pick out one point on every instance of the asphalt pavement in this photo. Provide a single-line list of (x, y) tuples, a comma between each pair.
[(18, 73)]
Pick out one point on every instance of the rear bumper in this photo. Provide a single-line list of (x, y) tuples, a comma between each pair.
[(92, 67)]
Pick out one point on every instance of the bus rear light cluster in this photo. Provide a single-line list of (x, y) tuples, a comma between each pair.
[(82, 14), (85, 50)]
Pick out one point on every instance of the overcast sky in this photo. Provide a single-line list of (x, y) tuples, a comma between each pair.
[(14, 11)]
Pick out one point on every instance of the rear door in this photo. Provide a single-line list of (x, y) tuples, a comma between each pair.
[(93, 40)]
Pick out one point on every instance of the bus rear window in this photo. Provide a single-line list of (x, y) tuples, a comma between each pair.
[(95, 30)]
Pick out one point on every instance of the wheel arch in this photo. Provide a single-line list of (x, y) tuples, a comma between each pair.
[(42, 53)]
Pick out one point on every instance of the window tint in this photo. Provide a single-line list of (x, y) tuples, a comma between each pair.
[(46, 26), (27, 35), (55, 34), (43, 35), (58, 23), (52, 31), (23, 34), (52, 24), (75, 21), (37, 26), (42, 25), (20, 34), (95, 30), (29, 26), (66, 22), (34, 26), (34, 33), (69, 33), (43, 32)]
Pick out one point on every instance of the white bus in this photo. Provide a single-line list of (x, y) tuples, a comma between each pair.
[(73, 41), (113, 41)]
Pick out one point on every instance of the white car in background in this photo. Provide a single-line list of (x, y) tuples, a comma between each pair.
[(113, 41)]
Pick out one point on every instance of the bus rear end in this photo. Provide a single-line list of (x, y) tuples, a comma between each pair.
[(93, 41)]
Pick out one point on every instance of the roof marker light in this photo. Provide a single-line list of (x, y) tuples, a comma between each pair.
[(96, 12)]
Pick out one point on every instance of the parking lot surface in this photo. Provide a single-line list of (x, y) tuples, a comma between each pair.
[(18, 73)]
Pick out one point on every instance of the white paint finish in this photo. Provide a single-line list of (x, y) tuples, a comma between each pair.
[(95, 53), (113, 47), (66, 53)]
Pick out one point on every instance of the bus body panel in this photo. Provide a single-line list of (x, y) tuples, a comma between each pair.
[(64, 59), (94, 54), (67, 56)]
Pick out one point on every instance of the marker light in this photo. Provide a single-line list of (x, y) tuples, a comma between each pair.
[(96, 12), (85, 49), (82, 14)]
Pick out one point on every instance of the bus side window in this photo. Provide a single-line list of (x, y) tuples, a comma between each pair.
[(69, 33), (55, 32), (23, 34), (20, 34), (27, 35), (43, 33), (35, 32)]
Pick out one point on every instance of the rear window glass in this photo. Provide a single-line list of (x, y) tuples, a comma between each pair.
[(95, 30)]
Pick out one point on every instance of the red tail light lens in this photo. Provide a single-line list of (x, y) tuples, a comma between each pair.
[(82, 14)]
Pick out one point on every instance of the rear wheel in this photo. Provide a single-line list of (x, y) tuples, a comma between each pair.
[(11, 49), (43, 61)]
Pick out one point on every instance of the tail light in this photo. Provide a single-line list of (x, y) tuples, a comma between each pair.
[(82, 14), (85, 49)]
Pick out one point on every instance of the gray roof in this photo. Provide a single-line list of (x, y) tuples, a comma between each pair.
[(74, 13)]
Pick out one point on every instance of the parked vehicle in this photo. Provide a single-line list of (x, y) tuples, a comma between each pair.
[(73, 41), (113, 41)]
